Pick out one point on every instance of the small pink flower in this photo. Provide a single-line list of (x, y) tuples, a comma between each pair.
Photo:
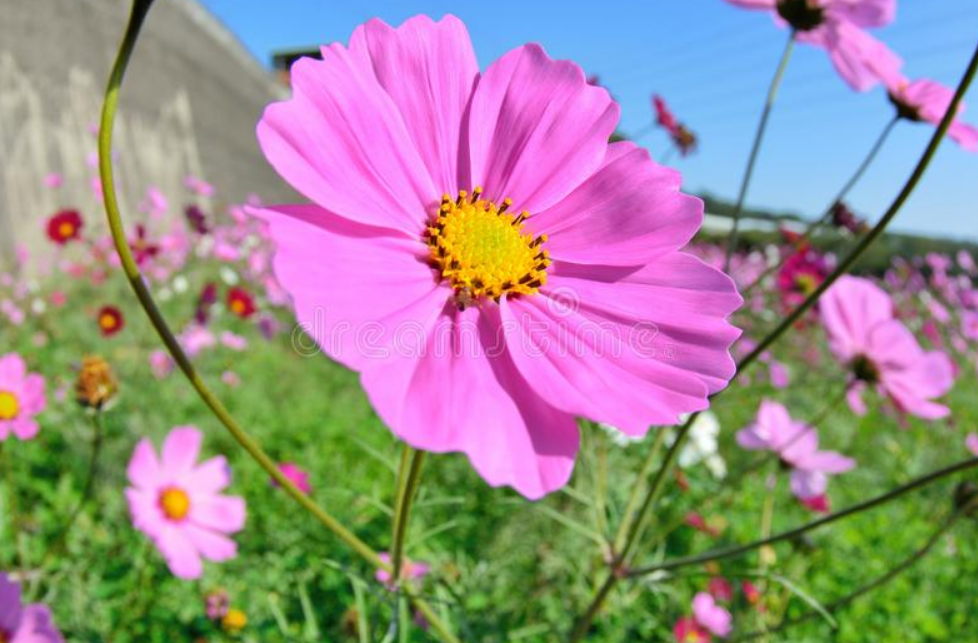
[(21, 623), (199, 186), (178, 504), (720, 588), (796, 443), (161, 364), (972, 443), (881, 352), (927, 101), (295, 475), (711, 616), (233, 341), (688, 630), (969, 324), (53, 180), (21, 398), (410, 570), (838, 26), (231, 378), (195, 338)]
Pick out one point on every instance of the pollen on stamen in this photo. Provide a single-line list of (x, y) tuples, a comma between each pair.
[(484, 252)]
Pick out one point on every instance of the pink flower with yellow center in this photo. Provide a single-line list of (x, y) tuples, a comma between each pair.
[(21, 623), (483, 257), (179, 505), (21, 398), (927, 101)]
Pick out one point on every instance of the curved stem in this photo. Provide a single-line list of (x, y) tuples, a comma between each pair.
[(879, 228), (138, 15), (772, 93), (874, 584), (737, 550), (827, 213), (408, 480), (633, 498)]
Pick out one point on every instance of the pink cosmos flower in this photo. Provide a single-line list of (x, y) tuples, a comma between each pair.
[(233, 341), (803, 272), (972, 443), (925, 100), (796, 443), (296, 476), (483, 257), (682, 137), (881, 352), (21, 398), (178, 504), (711, 616), (687, 630), (838, 26), (410, 570), (21, 623), (969, 324), (161, 364)]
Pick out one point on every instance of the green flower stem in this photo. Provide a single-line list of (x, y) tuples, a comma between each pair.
[(738, 550), (827, 213), (633, 498), (756, 147), (408, 481), (875, 584), (140, 8)]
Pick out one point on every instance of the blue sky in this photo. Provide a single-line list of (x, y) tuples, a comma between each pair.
[(713, 63)]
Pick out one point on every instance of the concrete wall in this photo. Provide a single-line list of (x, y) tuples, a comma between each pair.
[(189, 106)]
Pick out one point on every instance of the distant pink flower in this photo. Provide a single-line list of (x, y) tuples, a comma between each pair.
[(155, 202), (58, 298), (838, 26), (53, 180), (390, 139), (969, 324), (21, 398), (751, 593), (295, 475), (713, 617), (778, 372), (410, 570), (196, 338), (881, 352), (21, 623), (233, 341), (160, 363), (966, 262), (199, 186), (972, 443), (143, 250), (231, 378), (927, 101), (682, 137), (796, 443), (720, 589), (178, 504), (803, 272), (688, 630)]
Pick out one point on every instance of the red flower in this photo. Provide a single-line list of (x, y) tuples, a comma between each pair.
[(697, 522), (142, 249), (65, 226), (241, 303), (818, 504), (687, 630), (682, 137), (720, 589), (110, 320), (801, 274)]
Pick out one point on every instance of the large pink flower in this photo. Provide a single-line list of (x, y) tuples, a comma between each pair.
[(881, 352), (21, 623), (927, 101), (796, 443), (178, 504), (21, 398), (838, 26), (545, 284)]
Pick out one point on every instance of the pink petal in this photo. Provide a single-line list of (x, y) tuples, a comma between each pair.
[(352, 286), (461, 392), (212, 546), (710, 615), (144, 467), (536, 129), (827, 462), (428, 69), (971, 442), (25, 428), (630, 212), (850, 309), (861, 60), (37, 626), (211, 476), (808, 484), (862, 13), (854, 397), (341, 141), (218, 513), (180, 553), (964, 135), (34, 400), (767, 5), (12, 368), (180, 450), (146, 514)]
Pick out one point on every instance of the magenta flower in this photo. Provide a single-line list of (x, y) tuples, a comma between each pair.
[(838, 26), (178, 504), (803, 272), (796, 444), (21, 398), (410, 570), (687, 630), (712, 617), (927, 101), (881, 352), (21, 623), (296, 476), (483, 257), (971, 442)]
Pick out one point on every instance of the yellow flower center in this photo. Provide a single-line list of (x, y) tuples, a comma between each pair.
[(175, 504), (482, 250), (237, 306), (65, 230), (806, 283), (107, 321), (234, 621), (9, 409)]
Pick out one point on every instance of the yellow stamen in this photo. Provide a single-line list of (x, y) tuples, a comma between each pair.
[(237, 306), (66, 230), (175, 504), (9, 408), (107, 321), (483, 251), (234, 621)]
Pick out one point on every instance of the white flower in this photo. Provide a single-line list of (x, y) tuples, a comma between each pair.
[(702, 445)]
